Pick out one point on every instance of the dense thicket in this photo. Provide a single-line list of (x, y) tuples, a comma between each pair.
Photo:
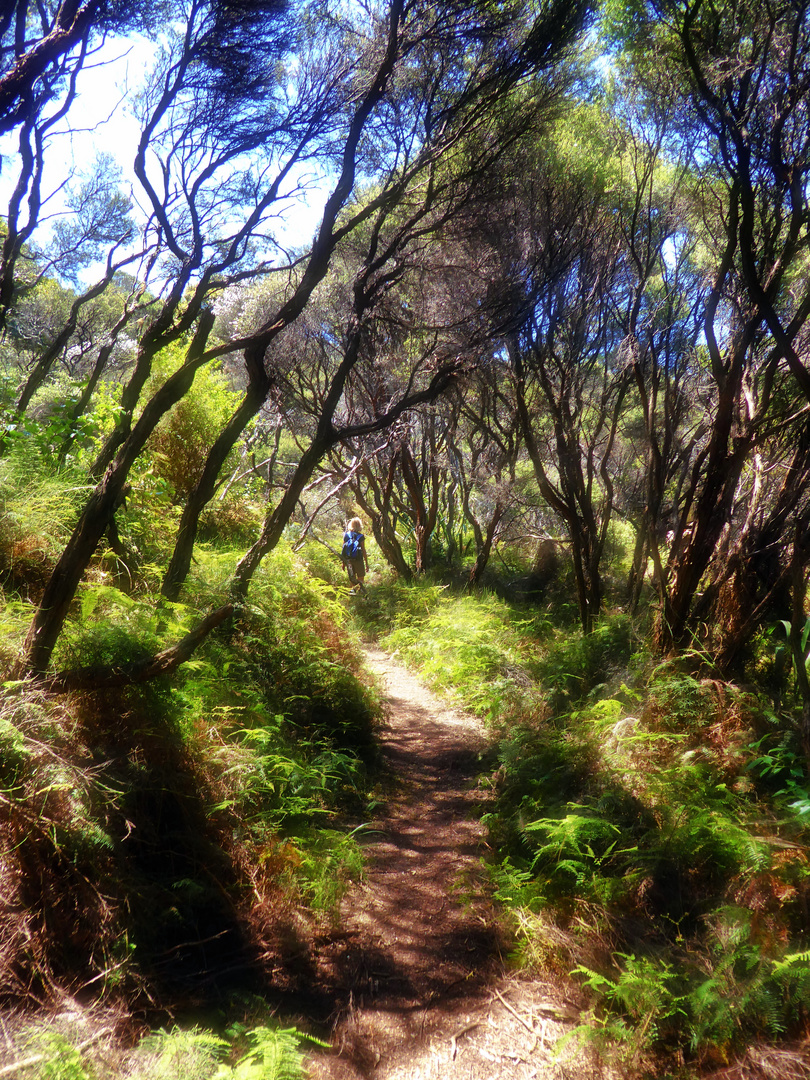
[(550, 324), (616, 253)]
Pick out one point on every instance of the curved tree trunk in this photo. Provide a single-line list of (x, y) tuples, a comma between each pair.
[(699, 541), (205, 488), (98, 513), (277, 519), (424, 514), (381, 515)]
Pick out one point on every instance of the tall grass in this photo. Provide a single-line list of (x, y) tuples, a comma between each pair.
[(467, 647)]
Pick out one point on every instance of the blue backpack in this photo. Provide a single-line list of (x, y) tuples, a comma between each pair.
[(351, 546)]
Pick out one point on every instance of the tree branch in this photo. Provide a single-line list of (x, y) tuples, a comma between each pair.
[(162, 663)]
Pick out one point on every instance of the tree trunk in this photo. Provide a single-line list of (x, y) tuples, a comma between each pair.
[(482, 558), (98, 512), (104, 354), (205, 488), (635, 581), (424, 515), (702, 535), (277, 519), (584, 598), (379, 513)]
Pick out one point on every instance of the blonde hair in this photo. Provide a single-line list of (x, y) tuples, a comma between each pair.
[(356, 525)]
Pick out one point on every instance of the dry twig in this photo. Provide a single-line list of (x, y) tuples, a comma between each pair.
[(457, 1035)]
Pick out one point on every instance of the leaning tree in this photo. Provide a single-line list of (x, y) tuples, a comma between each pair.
[(245, 100)]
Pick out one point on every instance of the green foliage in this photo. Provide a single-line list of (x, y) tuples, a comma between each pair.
[(330, 862), (576, 665), (579, 847), (538, 770), (249, 1050), (230, 521), (49, 428), (678, 701), (604, 822), (282, 780), (683, 840), (782, 771), (56, 841), (59, 1058), (112, 631), (398, 606), (191, 1053), (106, 413), (710, 1003), (244, 774), (37, 316), (640, 1004), (99, 216), (39, 504), (259, 1053), (463, 646), (739, 988), (177, 450), (619, 548), (297, 628), (274, 1054), (515, 887), (584, 148), (15, 754)]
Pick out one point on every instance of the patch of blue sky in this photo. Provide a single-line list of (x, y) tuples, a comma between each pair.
[(102, 121)]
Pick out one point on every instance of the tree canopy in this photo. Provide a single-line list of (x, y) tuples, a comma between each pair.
[(523, 284), (558, 285)]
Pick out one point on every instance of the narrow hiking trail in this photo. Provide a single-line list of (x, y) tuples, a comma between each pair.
[(419, 964)]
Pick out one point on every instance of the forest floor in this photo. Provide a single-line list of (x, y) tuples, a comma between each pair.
[(422, 987)]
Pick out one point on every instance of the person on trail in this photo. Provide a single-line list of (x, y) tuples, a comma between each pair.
[(354, 553)]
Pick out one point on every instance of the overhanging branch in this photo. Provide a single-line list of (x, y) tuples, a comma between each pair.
[(162, 663)]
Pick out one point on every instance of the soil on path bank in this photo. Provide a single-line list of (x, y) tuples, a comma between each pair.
[(418, 968)]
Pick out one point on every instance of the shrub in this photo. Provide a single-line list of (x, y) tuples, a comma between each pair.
[(179, 446), (463, 646), (39, 505)]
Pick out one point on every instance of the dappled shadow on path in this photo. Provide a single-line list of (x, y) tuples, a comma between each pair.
[(419, 938)]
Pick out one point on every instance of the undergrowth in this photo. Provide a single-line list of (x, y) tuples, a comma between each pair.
[(208, 807), (468, 647), (648, 823), (78, 1046)]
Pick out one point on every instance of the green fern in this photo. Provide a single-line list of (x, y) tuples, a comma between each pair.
[(515, 887), (742, 991), (639, 1003), (56, 1057), (191, 1054), (15, 754), (274, 1055), (580, 851), (328, 861), (260, 1053), (792, 963)]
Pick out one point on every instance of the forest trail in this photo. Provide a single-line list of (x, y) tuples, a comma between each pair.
[(419, 964)]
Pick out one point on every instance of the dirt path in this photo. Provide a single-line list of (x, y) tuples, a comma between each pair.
[(420, 964)]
